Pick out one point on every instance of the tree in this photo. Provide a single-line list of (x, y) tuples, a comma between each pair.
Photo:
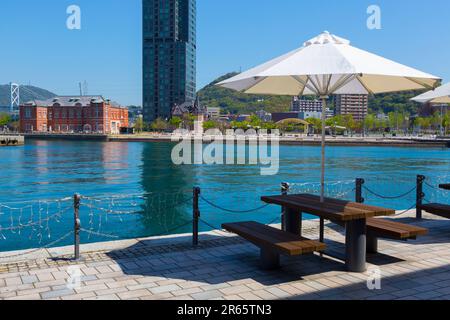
[(423, 123), (349, 122), (240, 125), (176, 122), (211, 124), (139, 125), (315, 123), (255, 121), (5, 119), (159, 125), (446, 122), (269, 125), (369, 122), (436, 120)]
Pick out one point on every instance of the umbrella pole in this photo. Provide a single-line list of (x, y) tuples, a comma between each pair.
[(322, 178)]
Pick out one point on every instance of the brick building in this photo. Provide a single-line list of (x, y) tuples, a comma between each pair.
[(88, 114)]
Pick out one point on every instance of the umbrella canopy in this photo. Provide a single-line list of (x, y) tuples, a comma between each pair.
[(439, 96), (327, 65)]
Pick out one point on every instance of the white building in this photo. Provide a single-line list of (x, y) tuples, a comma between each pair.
[(213, 113)]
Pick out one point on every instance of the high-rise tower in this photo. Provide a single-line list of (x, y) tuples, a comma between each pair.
[(169, 55)]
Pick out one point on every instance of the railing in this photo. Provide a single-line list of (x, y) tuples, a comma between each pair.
[(35, 219)]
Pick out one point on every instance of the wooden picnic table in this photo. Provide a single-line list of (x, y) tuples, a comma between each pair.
[(351, 214), (445, 186)]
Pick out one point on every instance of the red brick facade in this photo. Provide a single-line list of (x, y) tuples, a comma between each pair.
[(73, 115)]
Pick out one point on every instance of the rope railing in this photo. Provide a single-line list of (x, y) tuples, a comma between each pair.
[(232, 210), (29, 252), (162, 211), (404, 211), (403, 195)]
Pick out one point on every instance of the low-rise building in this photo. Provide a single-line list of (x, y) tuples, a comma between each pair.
[(305, 105), (69, 114), (213, 113), (280, 116), (264, 116), (310, 114)]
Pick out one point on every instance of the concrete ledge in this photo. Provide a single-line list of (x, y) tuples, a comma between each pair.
[(309, 226)]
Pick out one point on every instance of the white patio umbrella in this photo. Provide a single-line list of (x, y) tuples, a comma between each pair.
[(440, 95), (327, 65)]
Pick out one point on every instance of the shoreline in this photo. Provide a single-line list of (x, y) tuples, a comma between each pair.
[(292, 141)]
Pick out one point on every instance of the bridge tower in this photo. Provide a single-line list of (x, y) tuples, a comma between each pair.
[(15, 97)]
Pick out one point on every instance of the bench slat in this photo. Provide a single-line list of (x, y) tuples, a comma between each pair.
[(262, 235), (438, 209), (394, 229), (259, 238), (306, 244)]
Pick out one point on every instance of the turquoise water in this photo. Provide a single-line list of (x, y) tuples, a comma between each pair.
[(133, 189)]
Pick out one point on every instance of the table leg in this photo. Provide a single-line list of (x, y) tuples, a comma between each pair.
[(293, 221), (270, 260), (356, 245), (372, 244)]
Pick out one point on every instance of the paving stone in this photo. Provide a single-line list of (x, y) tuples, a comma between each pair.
[(29, 279), (56, 294), (35, 296), (163, 289), (229, 270), (133, 294), (235, 290), (207, 295), (15, 281)]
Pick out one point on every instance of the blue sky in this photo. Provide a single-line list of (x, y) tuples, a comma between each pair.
[(37, 47)]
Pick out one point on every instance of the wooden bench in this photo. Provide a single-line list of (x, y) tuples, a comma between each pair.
[(380, 228), (442, 210), (273, 242)]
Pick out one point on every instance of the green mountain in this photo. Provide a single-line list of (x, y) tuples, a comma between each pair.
[(240, 103), (234, 102), (392, 102), (27, 93)]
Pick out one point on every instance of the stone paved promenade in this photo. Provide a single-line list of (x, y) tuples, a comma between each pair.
[(225, 267)]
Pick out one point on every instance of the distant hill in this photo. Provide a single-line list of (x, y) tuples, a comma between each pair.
[(240, 103), (27, 93)]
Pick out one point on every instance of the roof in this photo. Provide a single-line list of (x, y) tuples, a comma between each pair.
[(192, 107), (71, 101), (293, 121)]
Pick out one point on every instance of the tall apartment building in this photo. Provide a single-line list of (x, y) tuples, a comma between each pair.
[(355, 104), (169, 56)]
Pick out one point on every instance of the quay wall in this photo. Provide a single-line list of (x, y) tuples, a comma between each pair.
[(305, 141), (11, 140)]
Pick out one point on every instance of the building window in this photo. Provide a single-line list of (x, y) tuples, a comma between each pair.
[(28, 113)]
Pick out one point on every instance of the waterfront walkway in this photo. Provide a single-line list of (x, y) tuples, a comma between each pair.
[(225, 267)]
